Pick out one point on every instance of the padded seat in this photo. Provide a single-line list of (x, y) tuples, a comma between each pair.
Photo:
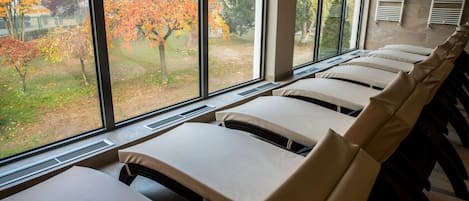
[(215, 162), (409, 49), (370, 76), (301, 121), (381, 63), (79, 184), (225, 164), (338, 92), (397, 55)]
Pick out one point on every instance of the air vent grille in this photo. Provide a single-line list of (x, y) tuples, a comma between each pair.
[(259, 88), (310, 70), (335, 60), (49, 163), (179, 117)]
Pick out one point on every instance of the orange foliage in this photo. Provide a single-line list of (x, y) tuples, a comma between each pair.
[(155, 19), (17, 53)]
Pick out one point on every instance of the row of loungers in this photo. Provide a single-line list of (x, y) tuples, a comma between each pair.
[(344, 135)]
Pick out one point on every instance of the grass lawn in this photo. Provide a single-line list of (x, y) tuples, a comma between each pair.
[(53, 106)]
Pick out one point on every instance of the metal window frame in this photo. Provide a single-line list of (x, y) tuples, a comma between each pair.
[(318, 34), (102, 67)]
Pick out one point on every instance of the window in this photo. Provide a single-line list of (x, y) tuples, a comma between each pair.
[(48, 88), (152, 55), (234, 42), (330, 28), (320, 38), (351, 22), (305, 29)]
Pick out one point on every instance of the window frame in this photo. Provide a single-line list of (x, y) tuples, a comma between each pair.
[(341, 30), (104, 86)]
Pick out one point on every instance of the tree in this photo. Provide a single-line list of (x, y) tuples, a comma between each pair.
[(156, 20), (13, 14), (18, 54), (239, 15), (68, 43), (15, 51), (330, 33), (61, 8), (305, 18)]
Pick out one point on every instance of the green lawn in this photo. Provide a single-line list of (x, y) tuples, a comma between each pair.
[(56, 87)]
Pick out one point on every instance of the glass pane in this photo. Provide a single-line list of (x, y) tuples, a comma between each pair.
[(48, 89), (234, 42), (305, 29), (330, 28), (350, 34), (153, 54)]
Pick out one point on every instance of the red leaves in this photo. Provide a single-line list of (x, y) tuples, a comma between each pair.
[(17, 53)]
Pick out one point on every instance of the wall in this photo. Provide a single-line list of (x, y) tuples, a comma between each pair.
[(413, 29)]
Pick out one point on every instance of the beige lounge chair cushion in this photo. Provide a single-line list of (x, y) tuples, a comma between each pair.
[(397, 55), (216, 162), (338, 92), (367, 130), (370, 76), (334, 170), (381, 63), (409, 49), (301, 121), (79, 184)]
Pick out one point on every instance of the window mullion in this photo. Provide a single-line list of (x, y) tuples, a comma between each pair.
[(360, 25), (203, 48), (318, 31), (102, 63), (342, 24)]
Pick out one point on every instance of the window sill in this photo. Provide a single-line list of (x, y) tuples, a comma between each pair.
[(137, 132)]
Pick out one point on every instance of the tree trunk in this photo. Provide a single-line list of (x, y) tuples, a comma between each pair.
[(22, 27), (23, 78), (23, 84), (191, 41), (164, 73), (83, 73), (304, 33)]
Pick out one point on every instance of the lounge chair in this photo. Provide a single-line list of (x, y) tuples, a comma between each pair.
[(217, 163), (78, 184), (397, 55), (413, 49), (381, 63), (363, 75)]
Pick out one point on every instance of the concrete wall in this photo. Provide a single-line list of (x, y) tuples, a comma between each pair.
[(413, 29)]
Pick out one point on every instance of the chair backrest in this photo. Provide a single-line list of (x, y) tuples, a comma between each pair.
[(379, 111), (334, 170)]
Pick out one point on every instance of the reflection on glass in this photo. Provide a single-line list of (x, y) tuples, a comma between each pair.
[(234, 42), (305, 29), (48, 89), (153, 54), (349, 35), (330, 28)]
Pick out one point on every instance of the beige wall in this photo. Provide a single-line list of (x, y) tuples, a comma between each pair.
[(413, 29)]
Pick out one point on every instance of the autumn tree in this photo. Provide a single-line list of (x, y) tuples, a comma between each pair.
[(61, 8), (13, 14), (68, 43), (156, 20), (18, 55), (14, 50)]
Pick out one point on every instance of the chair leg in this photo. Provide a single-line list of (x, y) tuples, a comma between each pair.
[(124, 176)]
